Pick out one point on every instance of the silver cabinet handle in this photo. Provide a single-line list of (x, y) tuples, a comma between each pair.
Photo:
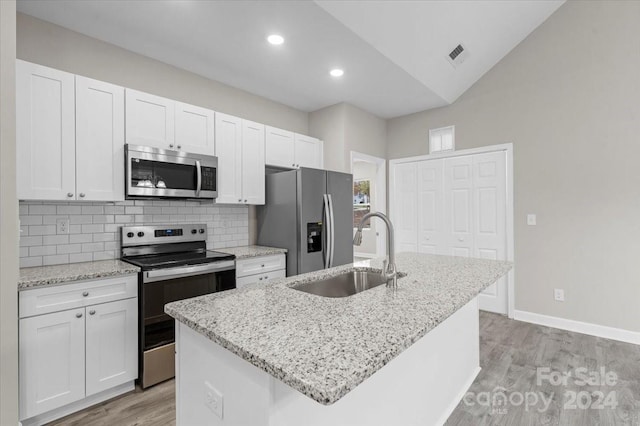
[(170, 145), (240, 200), (245, 201), (293, 165), (92, 312), (82, 195), (78, 315), (85, 293), (260, 278), (298, 165), (262, 266), (179, 147), (69, 194)]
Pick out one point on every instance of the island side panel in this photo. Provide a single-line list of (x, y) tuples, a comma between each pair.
[(204, 368), (421, 386)]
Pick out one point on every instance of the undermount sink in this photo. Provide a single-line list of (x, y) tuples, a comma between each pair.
[(343, 285)]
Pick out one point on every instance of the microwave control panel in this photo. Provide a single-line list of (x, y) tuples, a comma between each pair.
[(208, 178)]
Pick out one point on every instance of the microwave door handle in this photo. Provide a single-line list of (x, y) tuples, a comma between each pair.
[(198, 178)]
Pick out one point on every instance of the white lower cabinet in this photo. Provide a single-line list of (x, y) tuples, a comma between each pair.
[(76, 353), (260, 269)]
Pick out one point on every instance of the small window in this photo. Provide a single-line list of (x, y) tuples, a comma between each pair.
[(442, 139), (361, 201)]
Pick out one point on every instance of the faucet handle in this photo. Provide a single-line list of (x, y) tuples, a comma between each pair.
[(385, 265)]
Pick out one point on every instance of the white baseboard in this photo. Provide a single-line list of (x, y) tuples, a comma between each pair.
[(612, 333)]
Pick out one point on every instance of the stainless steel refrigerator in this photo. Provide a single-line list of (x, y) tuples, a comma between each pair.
[(310, 213)]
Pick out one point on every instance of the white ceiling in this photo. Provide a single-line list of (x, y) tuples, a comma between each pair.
[(393, 52)]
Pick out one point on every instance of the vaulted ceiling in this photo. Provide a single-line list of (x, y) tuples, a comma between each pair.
[(393, 53)]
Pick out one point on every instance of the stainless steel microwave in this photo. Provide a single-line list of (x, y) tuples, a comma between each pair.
[(161, 173)]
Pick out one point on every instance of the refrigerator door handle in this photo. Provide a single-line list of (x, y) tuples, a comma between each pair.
[(331, 232), (327, 232)]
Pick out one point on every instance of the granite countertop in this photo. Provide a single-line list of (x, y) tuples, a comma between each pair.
[(40, 276), (244, 252), (325, 347)]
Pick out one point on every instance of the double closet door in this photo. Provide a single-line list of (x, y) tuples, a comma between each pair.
[(455, 206)]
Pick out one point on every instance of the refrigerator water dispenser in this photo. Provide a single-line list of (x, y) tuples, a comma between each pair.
[(314, 237)]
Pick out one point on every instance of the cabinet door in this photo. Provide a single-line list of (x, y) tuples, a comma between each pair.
[(99, 140), (112, 344), (280, 151), (404, 206), (51, 361), (194, 129), (308, 152), (253, 185), (431, 235), (150, 120), (459, 213), (45, 133), (229, 152)]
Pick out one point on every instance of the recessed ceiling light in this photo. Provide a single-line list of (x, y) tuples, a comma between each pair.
[(336, 72), (275, 39)]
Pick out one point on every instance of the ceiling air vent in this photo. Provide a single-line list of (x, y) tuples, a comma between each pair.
[(457, 56)]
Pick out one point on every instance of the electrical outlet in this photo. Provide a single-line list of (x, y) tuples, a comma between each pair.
[(62, 226), (558, 294), (213, 399), (531, 219)]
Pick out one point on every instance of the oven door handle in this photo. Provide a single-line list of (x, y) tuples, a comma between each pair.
[(198, 178), (186, 271)]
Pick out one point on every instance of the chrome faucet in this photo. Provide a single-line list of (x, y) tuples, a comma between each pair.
[(389, 272)]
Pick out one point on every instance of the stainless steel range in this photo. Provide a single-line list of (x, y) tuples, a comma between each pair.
[(175, 264)]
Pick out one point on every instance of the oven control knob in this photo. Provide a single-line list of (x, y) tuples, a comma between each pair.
[(130, 234), (201, 230), (140, 234), (193, 231)]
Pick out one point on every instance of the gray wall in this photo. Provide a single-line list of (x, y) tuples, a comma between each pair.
[(57, 47), (8, 219), (568, 97)]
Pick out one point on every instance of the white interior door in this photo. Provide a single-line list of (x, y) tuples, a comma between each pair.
[(490, 222), (458, 214), (404, 206), (431, 225)]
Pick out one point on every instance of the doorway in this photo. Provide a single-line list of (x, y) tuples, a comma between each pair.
[(369, 195)]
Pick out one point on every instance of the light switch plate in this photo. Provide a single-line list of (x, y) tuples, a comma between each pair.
[(558, 294), (531, 220)]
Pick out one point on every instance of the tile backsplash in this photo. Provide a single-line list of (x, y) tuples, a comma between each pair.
[(94, 232)]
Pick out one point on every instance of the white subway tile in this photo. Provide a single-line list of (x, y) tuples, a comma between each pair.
[(42, 209), (31, 241), (31, 220), (42, 230), (114, 209), (75, 229), (169, 210), (42, 250), (104, 255), (112, 245), (24, 251), (104, 236), (69, 209), (80, 257), (123, 218), (92, 229), (80, 219), (49, 240), (28, 262), (92, 209), (80, 238), (103, 218), (69, 248), (134, 210), (152, 210), (23, 209), (91, 247), (110, 227), (55, 260)]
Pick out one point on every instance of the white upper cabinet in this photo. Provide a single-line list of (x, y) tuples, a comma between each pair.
[(70, 136), (280, 151), (291, 150), (194, 129), (45, 133), (240, 147), (253, 162), (150, 120), (99, 140), (167, 124), (308, 151), (229, 152)]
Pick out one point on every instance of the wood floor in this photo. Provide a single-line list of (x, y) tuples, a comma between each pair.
[(510, 354)]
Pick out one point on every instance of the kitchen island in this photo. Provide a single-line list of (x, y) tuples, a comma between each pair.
[(268, 354)]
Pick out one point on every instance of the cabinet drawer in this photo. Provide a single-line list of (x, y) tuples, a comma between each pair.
[(260, 278), (68, 296), (259, 265)]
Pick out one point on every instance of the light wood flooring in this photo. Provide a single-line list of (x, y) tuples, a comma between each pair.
[(510, 353)]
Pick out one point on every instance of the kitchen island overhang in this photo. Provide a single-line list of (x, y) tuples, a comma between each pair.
[(277, 356)]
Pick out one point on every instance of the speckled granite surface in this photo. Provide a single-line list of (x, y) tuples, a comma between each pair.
[(244, 252), (325, 347), (58, 274)]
